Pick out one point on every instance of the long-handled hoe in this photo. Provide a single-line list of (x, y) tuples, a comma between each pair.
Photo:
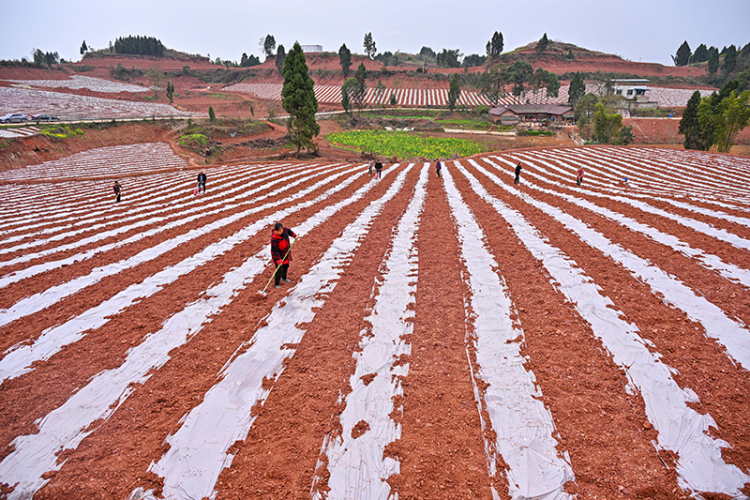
[(262, 293)]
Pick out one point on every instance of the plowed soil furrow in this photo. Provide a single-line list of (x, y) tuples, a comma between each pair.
[(698, 239), (144, 251), (173, 215), (441, 451), (198, 364), (104, 348), (719, 290), (684, 199), (674, 335), (303, 405), (715, 217), (608, 441), (605, 325)]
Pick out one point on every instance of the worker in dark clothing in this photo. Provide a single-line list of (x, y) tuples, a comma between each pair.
[(202, 182), (579, 176), (518, 174), (118, 191), (280, 252), (438, 166), (378, 169)]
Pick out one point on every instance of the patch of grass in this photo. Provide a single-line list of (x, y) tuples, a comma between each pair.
[(193, 141), (470, 124), (60, 131), (83, 69), (537, 133), (405, 145)]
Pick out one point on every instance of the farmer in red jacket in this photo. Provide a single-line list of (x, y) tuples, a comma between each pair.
[(280, 253)]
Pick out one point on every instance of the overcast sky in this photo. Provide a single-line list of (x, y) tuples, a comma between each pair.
[(638, 30)]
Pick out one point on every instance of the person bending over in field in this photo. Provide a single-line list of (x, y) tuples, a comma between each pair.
[(118, 191), (202, 182), (281, 252)]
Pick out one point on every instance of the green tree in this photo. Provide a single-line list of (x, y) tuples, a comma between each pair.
[(298, 99), (354, 93), (369, 45), (170, 92), (734, 116), (542, 45), (345, 59), (427, 52), (393, 100), (537, 81), (155, 75), (553, 85), (519, 74), (449, 58), (347, 89), (689, 125), (84, 47), (730, 60), (576, 90), (493, 84), (713, 62), (606, 124), (269, 46), (584, 112), (701, 54), (280, 57), (625, 136), (682, 58), (454, 92), (495, 45), (211, 114)]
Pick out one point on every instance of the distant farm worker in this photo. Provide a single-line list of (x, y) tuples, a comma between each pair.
[(118, 191), (438, 166), (579, 176), (202, 182), (369, 167), (378, 169), (281, 252), (518, 174)]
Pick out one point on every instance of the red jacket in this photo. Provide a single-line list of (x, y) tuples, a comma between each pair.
[(280, 245)]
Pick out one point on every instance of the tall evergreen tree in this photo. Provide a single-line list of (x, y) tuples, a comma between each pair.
[(369, 45), (701, 54), (553, 85), (576, 90), (454, 92), (495, 45), (84, 47), (298, 99), (345, 59), (269, 45), (542, 45), (713, 62), (730, 60), (689, 126), (280, 57), (682, 58)]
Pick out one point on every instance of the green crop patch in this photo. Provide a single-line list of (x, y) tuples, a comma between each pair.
[(405, 145)]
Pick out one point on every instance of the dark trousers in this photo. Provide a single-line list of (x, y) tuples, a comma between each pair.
[(518, 179), (281, 274), (201, 186), (438, 172), (117, 197)]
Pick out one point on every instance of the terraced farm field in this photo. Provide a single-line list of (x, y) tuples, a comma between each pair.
[(452, 337), (331, 94)]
